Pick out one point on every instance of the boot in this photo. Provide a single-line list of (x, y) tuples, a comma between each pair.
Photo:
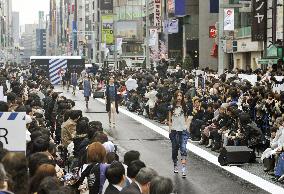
[(269, 164), (216, 146), (209, 143)]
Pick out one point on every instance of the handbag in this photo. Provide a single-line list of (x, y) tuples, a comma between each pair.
[(98, 94)]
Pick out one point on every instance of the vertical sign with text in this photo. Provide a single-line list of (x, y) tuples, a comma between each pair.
[(229, 20), (158, 14), (259, 20)]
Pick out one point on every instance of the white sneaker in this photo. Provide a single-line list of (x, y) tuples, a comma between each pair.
[(175, 169), (183, 172)]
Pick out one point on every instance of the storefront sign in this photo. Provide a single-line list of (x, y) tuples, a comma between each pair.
[(259, 20), (106, 6), (157, 13), (246, 45), (212, 32), (107, 29), (229, 21)]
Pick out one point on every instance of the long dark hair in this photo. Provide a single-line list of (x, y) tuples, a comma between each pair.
[(174, 105)]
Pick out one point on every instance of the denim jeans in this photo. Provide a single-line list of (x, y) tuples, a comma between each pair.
[(179, 141)]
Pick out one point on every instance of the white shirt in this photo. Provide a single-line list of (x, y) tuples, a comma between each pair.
[(118, 187)]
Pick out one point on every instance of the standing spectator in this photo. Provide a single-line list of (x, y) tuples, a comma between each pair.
[(68, 130), (161, 185), (115, 175), (95, 171), (16, 167), (141, 183)]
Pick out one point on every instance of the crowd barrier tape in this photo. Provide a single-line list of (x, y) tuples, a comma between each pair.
[(13, 131)]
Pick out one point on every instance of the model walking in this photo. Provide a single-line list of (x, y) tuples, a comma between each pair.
[(87, 89), (111, 101), (74, 81), (178, 131)]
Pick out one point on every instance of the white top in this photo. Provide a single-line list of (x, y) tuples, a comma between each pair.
[(178, 119)]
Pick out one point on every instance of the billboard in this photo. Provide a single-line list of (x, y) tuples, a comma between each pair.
[(130, 30), (107, 29), (180, 8), (229, 20), (106, 6), (259, 20)]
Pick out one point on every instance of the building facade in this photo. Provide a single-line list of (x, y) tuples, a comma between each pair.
[(28, 41), (16, 28), (41, 42)]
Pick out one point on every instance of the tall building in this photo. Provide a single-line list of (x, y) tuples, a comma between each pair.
[(28, 40), (41, 20), (40, 42), (16, 28), (6, 23), (128, 32)]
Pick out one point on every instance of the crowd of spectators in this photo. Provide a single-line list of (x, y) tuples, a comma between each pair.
[(65, 152), (222, 110)]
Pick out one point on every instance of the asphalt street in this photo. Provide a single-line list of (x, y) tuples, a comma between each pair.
[(202, 176)]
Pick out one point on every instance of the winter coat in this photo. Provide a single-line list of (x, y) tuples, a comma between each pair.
[(68, 132)]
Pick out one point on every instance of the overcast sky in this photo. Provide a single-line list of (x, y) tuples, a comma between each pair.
[(29, 9)]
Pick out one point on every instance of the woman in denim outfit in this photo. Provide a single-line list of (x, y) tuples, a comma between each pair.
[(178, 134)]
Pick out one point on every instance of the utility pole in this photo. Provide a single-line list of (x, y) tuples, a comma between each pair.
[(220, 36), (147, 35), (274, 21), (283, 35), (100, 33)]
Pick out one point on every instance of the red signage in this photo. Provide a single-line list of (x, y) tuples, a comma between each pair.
[(212, 32)]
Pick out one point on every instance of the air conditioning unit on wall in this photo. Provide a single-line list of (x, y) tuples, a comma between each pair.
[(246, 6)]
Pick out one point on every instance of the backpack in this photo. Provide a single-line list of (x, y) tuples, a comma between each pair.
[(279, 170)]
